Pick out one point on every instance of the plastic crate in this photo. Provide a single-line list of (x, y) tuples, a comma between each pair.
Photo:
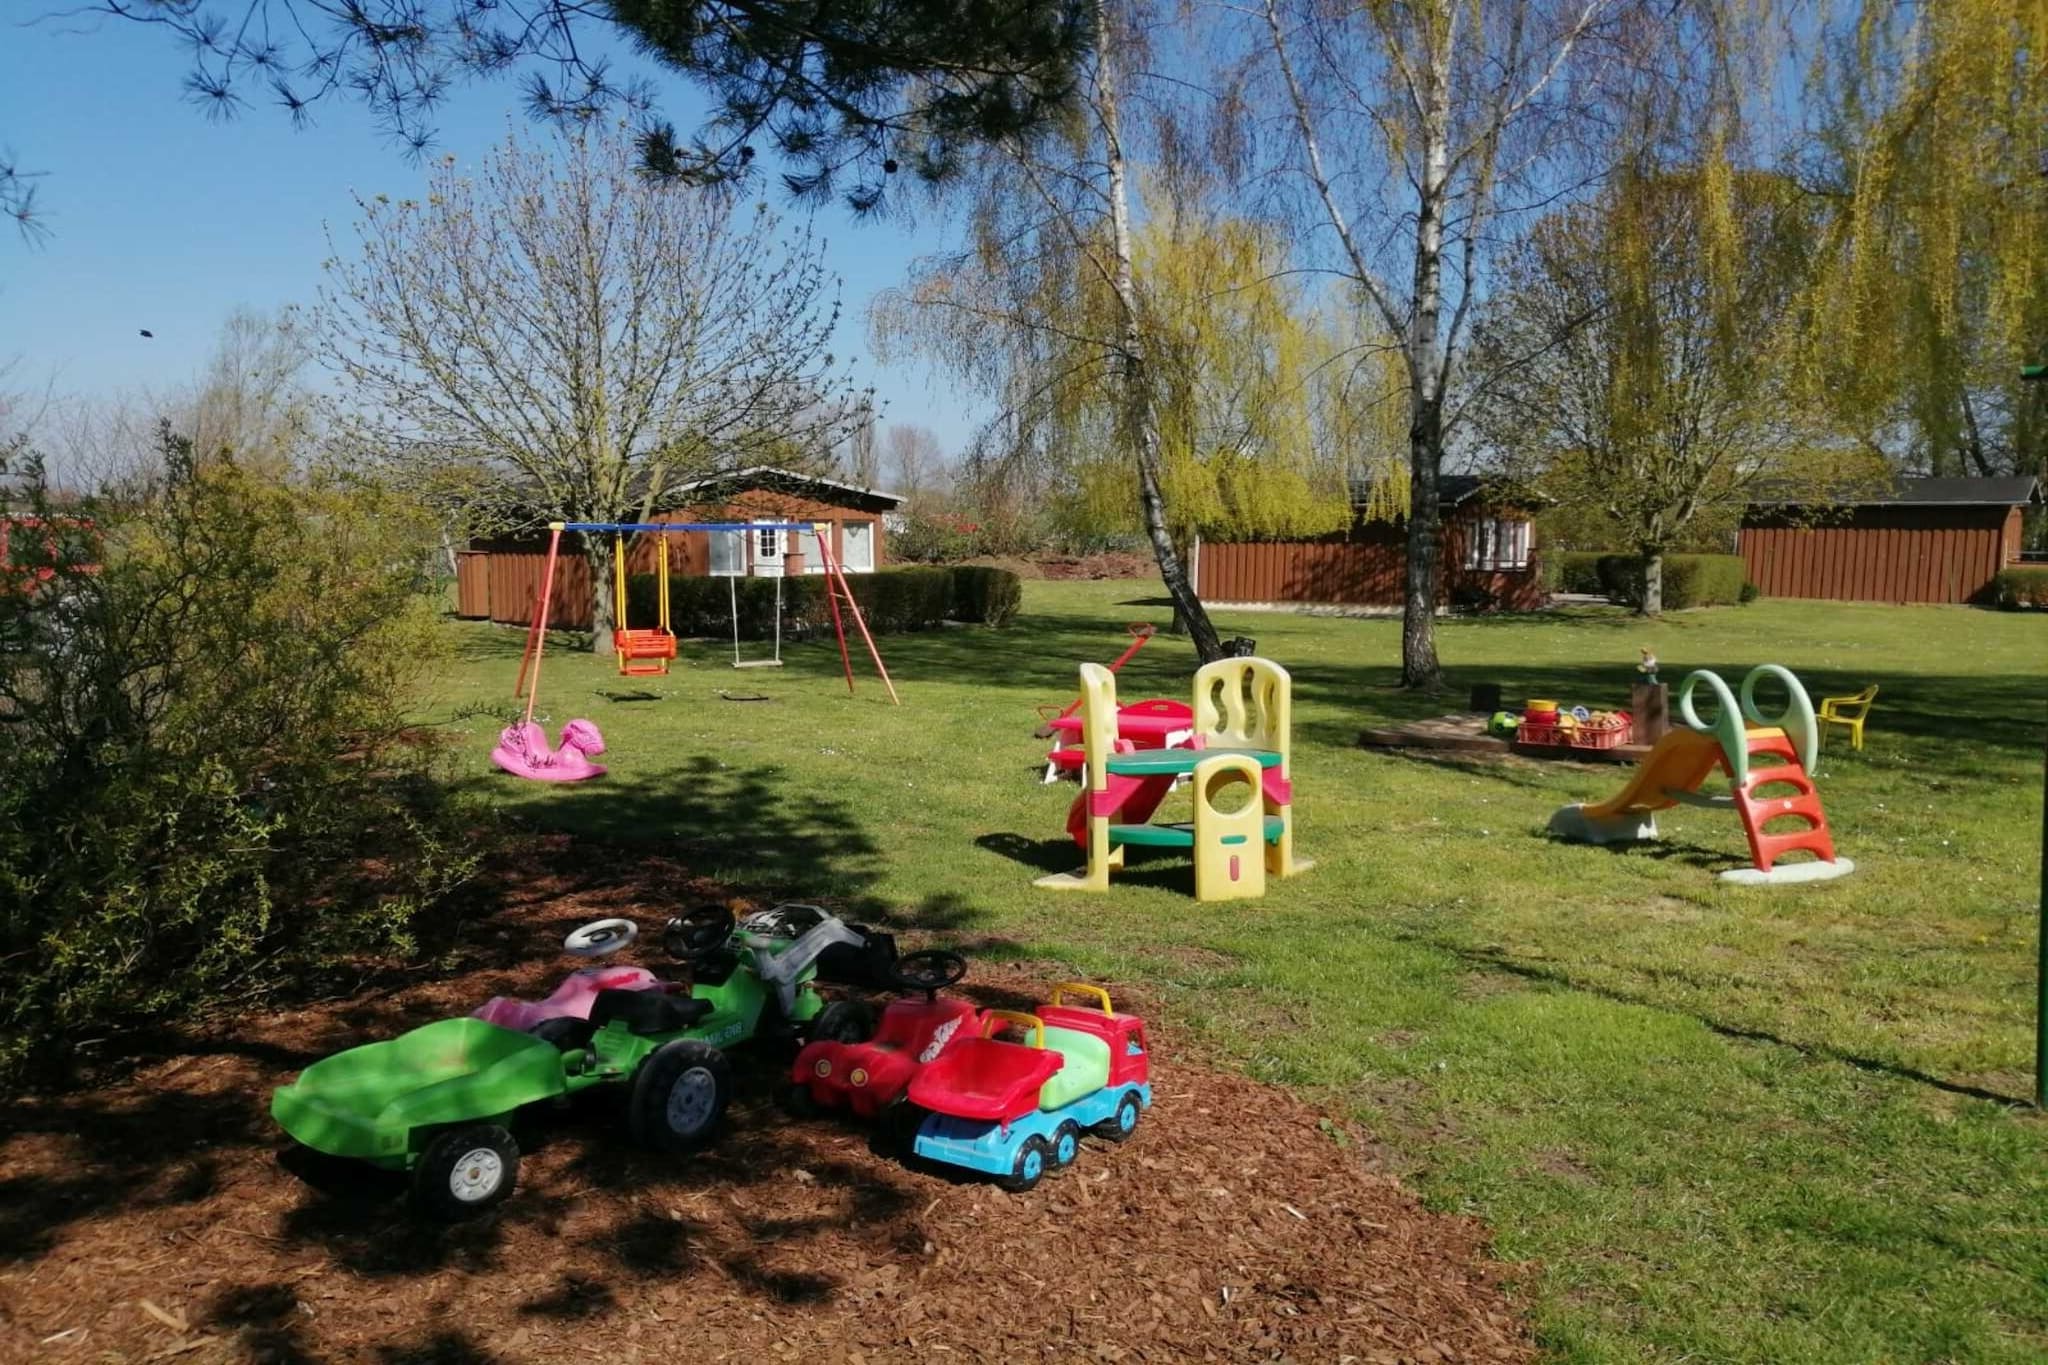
[(1613, 736), (1584, 735)]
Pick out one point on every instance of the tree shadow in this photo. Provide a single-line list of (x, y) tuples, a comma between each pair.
[(1498, 959)]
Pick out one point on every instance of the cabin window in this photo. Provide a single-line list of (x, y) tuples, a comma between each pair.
[(858, 540), (814, 543), (728, 554), (1494, 543)]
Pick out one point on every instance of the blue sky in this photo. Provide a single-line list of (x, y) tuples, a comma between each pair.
[(165, 219)]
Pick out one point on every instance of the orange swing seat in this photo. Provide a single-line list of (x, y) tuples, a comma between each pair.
[(642, 653)]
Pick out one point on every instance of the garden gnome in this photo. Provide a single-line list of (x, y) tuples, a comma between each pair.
[(1650, 703)]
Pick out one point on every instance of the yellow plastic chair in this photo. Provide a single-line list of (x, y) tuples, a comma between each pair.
[(1849, 713)]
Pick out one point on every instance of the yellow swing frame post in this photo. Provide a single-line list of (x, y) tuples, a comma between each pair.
[(642, 653)]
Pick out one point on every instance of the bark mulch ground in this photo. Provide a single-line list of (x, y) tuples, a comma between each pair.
[(158, 1218)]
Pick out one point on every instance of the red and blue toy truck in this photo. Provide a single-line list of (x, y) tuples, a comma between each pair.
[(1017, 1110)]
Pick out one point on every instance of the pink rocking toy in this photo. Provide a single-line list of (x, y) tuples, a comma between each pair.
[(523, 751)]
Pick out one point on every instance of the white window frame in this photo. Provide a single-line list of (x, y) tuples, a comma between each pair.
[(1499, 544), (847, 567), (765, 545)]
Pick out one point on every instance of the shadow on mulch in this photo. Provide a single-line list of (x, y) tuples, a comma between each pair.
[(160, 1211)]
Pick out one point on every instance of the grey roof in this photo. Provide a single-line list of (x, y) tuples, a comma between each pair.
[(2007, 491), (781, 480), (1455, 490)]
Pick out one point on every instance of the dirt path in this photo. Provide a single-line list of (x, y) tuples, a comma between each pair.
[(154, 1220)]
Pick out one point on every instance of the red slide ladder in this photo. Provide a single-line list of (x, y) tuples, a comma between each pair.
[(1758, 811)]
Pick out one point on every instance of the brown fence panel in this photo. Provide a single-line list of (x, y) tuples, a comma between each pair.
[(472, 585)]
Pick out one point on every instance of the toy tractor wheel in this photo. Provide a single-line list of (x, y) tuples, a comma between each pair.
[(465, 1172), (1034, 1159), (843, 1021), (1123, 1122), (798, 1102), (679, 1095), (1066, 1144)]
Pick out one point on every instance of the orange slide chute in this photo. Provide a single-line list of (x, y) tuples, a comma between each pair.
[(1681, 761)]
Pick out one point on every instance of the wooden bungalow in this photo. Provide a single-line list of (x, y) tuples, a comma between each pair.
[(1489, 558), (1919, 540), (498, 579)]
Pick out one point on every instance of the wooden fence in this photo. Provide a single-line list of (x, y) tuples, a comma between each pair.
[(1884, 554)]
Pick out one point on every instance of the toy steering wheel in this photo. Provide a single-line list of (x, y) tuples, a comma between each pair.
[(600, 938), (698, 934), (930, 970)]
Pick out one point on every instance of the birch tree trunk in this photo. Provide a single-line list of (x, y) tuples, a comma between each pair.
[(1140, 419), (1424, 578)]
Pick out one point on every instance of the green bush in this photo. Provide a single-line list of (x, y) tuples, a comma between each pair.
[(1572, 571), (1689, 580), (986, 595), (2018, 587), (936, 539), (207, 781), (1750, 592)]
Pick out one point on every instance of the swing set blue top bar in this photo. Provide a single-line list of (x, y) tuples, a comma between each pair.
[(666, 526)]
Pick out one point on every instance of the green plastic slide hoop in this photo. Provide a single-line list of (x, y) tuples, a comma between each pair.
[(1727, 726), (1796, 720)]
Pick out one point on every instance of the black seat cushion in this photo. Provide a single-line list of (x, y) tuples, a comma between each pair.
[(648, 1012)]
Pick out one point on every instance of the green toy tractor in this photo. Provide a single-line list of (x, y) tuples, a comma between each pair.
[(438, 1101)]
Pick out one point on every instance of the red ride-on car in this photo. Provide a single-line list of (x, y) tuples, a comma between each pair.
[(868, 1077)]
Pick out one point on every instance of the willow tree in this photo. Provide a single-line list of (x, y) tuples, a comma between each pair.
[(1050, 309), (1254, 441), (1660, 321), (1930, 147), (566, 340), (1243, 434)]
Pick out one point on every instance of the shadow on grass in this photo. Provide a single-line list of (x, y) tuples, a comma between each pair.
[(1496, 959)]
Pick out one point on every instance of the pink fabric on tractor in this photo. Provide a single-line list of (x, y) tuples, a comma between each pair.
[(570, 1000), (523, 751)]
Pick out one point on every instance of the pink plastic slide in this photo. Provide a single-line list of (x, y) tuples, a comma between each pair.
[(523, 751), (570, 1000)]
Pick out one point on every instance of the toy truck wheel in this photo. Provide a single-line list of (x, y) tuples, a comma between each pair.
[(843, 1021), (465, 1172), (679, 1095), (1066, 1144), (1123, 1122), (1034, 1159)]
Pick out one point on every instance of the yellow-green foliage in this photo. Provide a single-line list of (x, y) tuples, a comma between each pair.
[(1933, 281), (1249, 383)]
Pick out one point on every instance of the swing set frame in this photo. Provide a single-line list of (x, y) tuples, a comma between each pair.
[(642, 644)]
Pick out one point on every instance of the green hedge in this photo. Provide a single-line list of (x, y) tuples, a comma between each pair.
[(891, 600), (1573, 571), (1689, 580), (986, 595), (2020, 587)]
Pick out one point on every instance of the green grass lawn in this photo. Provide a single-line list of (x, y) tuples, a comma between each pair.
[(1716, 1124)]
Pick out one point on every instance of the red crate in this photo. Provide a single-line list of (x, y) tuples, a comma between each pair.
[(1582, 736), (1601, 736)]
